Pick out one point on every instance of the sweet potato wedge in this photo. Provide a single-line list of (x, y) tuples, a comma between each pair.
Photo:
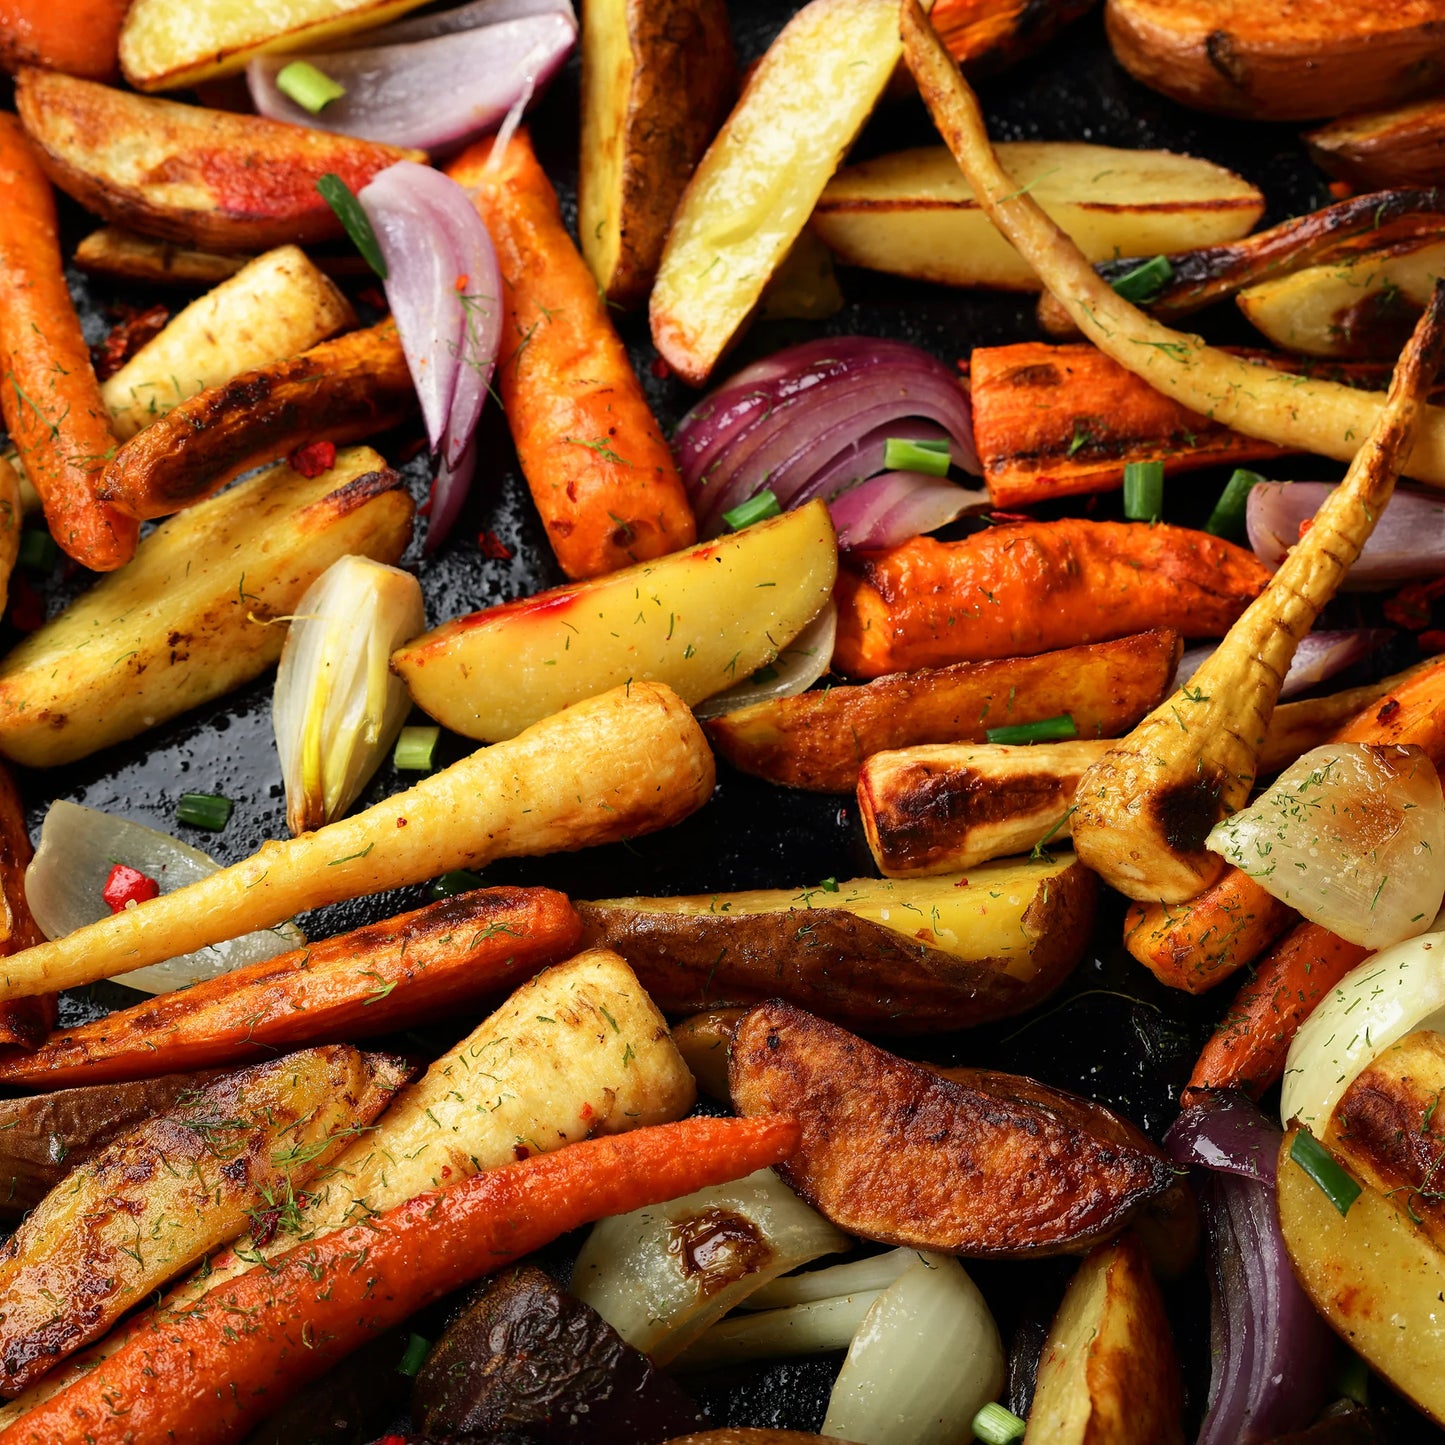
[(1403, 146), (211, 179), (891, 958), (818, 740), (893, 1152)]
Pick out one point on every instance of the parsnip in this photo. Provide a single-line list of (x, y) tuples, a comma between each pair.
[(627, 762), (113, 251)]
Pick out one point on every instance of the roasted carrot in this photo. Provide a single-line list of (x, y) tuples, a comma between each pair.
[(600, 473), (204, 1375), (80, 37), (23, 1021), (48, 392), (1031, 587), (407, 970)]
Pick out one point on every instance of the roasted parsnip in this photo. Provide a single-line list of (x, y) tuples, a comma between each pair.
[(114, 251)]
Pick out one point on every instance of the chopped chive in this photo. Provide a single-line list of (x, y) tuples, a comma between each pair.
[(900, 455), (1227, 518), (1144, 491), (1047, 730), (415, 748), (204, 810), (417, 1349), (1144, 283), (310, 88), (462, 880), (995, 1425), (340, 197), (38, 552), (755, 509), (1320, 1165)]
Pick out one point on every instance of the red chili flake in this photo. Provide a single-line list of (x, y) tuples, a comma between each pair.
[(1305, 524), (27, 607), (462, 282), (127, 885), (493, 548), (313, 459), (587, 1111), (1433, 640), (1388, 710), (1341, 190), (962, 883), (133, 329), (1003, 518), (661, 370), (1410, 606)]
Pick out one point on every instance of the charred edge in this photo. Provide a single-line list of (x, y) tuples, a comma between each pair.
[(1186, 813), (360, 490)]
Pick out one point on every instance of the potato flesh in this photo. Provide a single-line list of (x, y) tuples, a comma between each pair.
[(607, 70), (913, 213), (698, 620)]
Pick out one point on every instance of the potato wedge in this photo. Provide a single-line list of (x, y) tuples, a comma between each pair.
[(657, 79), (895, 1153), (210, 179), (698, 620), (912, 213), (185, 621), (703, 1040), (1373, 1275), (162, 1196), (113, 251), (1108, 1374), (274, 307), (818, 740), (1280, 62), (890, 958), (1363, 307), (756, 186), (1397, 147)]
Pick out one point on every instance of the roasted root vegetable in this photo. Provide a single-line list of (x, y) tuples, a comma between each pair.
[(378, 979), (160, 1197), (657, 79), (600, 473), (211, 179), (341, 391), (114, 251), (911, 213), (818, 740), (892, 958), (702, 1039), (628, 762), (23, 1021), (1028, 587), (894, 1152), (989, 35), (185, 621), (700, 621), (1402, 146), (79, 38)]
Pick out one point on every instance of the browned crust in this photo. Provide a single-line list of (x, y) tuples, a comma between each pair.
[(1399, 147)]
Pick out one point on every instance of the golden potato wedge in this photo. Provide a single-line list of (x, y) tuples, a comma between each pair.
[(1280, 62), (342, 391), (185, 620), (893, 1152), (160, 1197), (657, 79), (1376, 1277), (913, 214), (703, 1040), (113, 251), (756, 186), (818, 740), (698, 620), (1403, 146), (171, 44), (891, 958), (212, 179), (1366, 306), (1108, 1374), (274, 307)]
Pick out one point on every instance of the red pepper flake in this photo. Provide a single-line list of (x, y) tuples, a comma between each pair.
[(661, 370), (1341, 190), (27, 607), (962, 883), (462, 282), (493, 548), (133, 329), (265, 1222), (587, 1111), (127, 885), (1305, 524), (1388, 710), (1432, 640), (313, 459)]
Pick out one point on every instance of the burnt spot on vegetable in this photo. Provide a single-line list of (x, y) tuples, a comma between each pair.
[(1187, 812), (717, 1247)]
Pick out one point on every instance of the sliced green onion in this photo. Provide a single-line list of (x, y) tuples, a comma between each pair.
[(415, 748), (995, 1425), (417, 1349), (1144, 283), (1320, 1165), (204, 810), (1047, 730), (38, 552), (310, 88), (1144, 491), (340, 197), (463, 880), (1227, 518), (931, 458), (755, 509)]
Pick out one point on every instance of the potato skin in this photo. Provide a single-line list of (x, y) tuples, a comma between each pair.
[(1404, 147)]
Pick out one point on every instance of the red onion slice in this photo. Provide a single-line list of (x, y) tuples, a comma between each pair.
[(894, 506), (1318, 658), (448, 493), (1408, 541)]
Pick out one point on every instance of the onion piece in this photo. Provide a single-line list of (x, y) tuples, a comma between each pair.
[(1319, 657), (1351, 836), (337, 706), (1408, 541), (889, 509), (78, 848), (857, 1276), (795, 669), (434, 93), (925, 1360), (814, 1328), (662, 1275), (1388, 995), (1271, 1352)]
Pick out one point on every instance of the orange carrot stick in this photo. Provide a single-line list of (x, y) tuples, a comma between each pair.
[(80, 37), (599, 470), (388, 976), (48, 391), (204, 1375)]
